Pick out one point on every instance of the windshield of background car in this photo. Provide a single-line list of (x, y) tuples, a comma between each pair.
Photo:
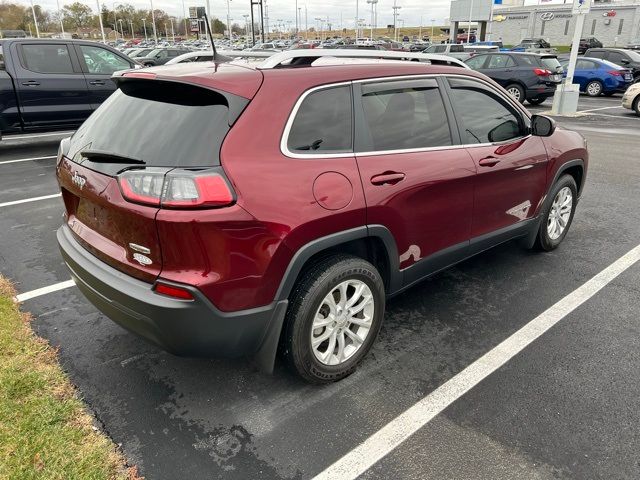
[(121, 126)]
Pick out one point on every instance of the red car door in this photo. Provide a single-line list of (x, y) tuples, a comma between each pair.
[(511, 163), (416, 182)]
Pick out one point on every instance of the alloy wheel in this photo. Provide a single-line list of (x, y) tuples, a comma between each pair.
[(594, 89), (342, 322), (514, 92), (560, 213)]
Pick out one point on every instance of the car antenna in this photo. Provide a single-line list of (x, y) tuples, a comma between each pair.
[(216, 58)]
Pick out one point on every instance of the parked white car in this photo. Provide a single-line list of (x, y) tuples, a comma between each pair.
[(631, 98)]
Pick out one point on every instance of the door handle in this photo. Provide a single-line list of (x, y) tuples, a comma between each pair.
[(31, 83), (96, 82), (389, 178), (489, 161)]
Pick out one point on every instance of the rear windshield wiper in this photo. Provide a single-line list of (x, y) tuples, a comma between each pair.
[(99, 156)]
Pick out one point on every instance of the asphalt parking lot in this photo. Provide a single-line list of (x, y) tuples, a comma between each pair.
[(566, 406)]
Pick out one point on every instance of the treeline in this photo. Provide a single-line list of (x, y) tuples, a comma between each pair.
[(79, 16)]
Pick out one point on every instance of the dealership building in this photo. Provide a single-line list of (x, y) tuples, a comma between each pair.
[(613, 23)]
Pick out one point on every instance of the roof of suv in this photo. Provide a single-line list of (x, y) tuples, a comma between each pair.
[(244, 81)]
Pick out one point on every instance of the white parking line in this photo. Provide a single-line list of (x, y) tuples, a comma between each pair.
[(601, 108), (27, 159), (38, 135), (44, 290), (385, 440), (27, 200)]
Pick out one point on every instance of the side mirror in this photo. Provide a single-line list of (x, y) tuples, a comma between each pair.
[(542, 126)]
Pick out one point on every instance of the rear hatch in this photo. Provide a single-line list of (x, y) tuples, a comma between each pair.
[(552, 68), (153, 144)]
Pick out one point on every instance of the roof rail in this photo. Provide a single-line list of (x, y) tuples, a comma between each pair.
[(308, 56)]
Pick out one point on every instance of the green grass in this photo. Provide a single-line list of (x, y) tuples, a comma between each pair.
[(45, 430)]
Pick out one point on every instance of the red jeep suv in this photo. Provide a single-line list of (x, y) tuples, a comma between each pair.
[(228, 210)]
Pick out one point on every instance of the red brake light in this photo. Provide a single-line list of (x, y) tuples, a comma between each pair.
[(189, 191), (140, 186), (615, 73), (176, 188), (541, 72), (172, 291)]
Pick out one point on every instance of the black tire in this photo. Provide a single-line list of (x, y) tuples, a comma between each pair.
[(544, 240), (609, 94), (636, 105), (516, 91), (594, 88), (307, 297), (536, 101)]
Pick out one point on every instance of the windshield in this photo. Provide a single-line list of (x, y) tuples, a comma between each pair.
[(121, 126), (153, 53)]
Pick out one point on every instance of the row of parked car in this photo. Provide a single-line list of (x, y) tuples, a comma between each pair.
[(533, 77)]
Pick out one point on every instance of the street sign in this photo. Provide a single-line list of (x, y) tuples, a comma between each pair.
[(194, 25), (193, 12), (581, 6)]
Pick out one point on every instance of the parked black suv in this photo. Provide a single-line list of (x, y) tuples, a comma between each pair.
[(526, 76), (620, 56), (587, 43)]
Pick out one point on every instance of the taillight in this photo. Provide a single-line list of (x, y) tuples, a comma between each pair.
[(173, 291), (196, 191), (142, 186), (541, 72), (615, 73), (176, 188), (63, 149)]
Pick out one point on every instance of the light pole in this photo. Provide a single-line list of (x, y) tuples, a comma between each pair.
[(395, 7), (420, 32), (186, 27), (296, 18), (357, 24), (153, 21), (373, 17), (173, 32), (121, 29), (166, 32), (104, 40), (131, 25), (300, 23), (229, 20), (60, 17), (35, 20), (246, 24), (320, 20), (470, 15), (144, 26)]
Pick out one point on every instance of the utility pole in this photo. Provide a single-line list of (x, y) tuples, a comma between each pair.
[(395, 7), (144, 26), (104, 40), (60, 18), (153, 21), (35, 20)]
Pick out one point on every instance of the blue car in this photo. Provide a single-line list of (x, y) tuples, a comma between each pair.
[(599, 77)]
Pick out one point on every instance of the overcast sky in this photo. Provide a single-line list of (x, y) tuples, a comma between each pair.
[(411, 11)]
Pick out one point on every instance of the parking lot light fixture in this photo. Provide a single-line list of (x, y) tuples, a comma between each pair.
[(104, 40), (153, 21)]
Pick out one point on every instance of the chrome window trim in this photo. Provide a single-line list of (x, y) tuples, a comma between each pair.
[(284, 149)]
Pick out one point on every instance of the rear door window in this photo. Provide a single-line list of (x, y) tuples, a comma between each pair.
[(483, 116), (501, 61), (477, 63), (323, 123), (408, 114), (551, 63), (122, 129), (43, 58)]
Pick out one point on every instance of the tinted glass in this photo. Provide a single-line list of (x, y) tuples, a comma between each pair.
[(121, 125), (405, 115), (102, 61), (323, 123), (550, 63), (47, 58), (500, 61), (615, 57), (484, 117), (476, 62), (597, 54), (586, 65), (527, 59)]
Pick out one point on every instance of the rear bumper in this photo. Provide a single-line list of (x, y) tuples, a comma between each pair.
[(541, 91), (182, 327)]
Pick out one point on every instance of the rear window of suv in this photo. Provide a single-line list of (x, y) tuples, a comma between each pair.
[(551, 63), (162, 124)]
